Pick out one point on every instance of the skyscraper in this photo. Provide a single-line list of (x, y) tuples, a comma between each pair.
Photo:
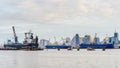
[(97, 40), (87, 39), (116, 39), (76, 40)]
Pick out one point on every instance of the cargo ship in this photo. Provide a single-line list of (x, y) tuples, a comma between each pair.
[(28, 43), (81, 46)]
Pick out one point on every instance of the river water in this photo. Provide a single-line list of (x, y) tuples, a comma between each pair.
[(60, 59)]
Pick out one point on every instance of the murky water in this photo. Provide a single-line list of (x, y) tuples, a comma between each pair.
[(60, 59)]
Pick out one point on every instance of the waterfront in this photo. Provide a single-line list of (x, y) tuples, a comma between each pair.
[(60, 59)]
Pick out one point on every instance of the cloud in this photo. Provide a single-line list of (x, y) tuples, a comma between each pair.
[(44, 11)]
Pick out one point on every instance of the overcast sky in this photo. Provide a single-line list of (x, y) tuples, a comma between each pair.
[(49, 18)]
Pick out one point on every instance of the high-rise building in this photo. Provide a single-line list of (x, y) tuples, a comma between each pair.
[(116, 39), (87, 39), (96, 40), (76, 40)]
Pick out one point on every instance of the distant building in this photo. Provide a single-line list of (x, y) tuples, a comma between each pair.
[(76, 40), (116, 39), (97, 40), (44, 42), (87, 39)]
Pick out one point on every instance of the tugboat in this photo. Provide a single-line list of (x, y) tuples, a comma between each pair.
[(29, 42)]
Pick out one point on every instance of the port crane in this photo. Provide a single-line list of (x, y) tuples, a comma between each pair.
[(15, 36)]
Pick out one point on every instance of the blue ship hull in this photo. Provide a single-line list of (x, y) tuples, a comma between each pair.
[(57, 47), (97, 46)]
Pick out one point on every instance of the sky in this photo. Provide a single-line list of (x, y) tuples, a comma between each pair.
[(59, 18)]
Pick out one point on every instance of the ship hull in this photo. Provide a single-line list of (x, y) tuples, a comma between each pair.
[(21, 46), (82, 46), (97, 46), (57, 47)]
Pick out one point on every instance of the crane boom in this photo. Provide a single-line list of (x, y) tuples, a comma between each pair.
[(15, 36), (14, 31)]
